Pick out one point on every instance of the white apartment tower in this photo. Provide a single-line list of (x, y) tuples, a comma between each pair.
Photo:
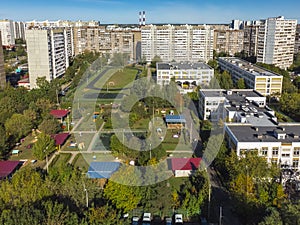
[(276, 41), (47, 54), (7, 31), (179, 43)]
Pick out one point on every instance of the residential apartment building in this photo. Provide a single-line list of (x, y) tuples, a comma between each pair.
[(187, 75), (2, 70), (276, 41), (279, 144), (47, 53), (179, 43), (239, 105), (7, 32), (251, 40), (257, 78), (100, 39), (19, 30), (229, 41), (297, 39)]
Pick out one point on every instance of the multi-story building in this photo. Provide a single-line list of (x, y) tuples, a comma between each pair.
[(276, 42), (257, 78), (7, 31), (240, 105), (100, 39), (19, 30), (297, 39), (2, 71), (47, 53), (279, 144), (186, 75), (229, 41), (179, 43), (251, 40)]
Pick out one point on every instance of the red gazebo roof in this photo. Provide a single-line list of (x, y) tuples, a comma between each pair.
[(59, 113), (7, 167), (60, 138), (185, 163)]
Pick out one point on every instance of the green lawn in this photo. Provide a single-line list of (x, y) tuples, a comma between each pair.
[(60, 159), (121, 78), (141, 124)]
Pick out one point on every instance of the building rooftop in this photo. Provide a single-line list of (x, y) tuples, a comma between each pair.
[(7, 167), (175, 119), (250, 133), (60, 138), (235, 93), (185, 163), (247, 66), (102, 169), (59, 113), (183, 66)]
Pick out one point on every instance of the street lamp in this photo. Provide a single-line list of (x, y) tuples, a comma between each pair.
[(86, 195), (150, 150), (46, 152)]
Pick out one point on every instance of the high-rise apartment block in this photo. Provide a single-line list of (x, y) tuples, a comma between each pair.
[(47, 53), (297, 39), (259, 79), (250, 40), (19, 30), (276, 41), (229, 41), (2, 71), (179, 43), (7, 31)]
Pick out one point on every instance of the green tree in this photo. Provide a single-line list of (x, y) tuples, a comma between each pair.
[(241, 83), (45, 145), (273, 218), (50, 126), (18, 126), (155, 60)]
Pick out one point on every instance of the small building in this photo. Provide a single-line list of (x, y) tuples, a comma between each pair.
[(102, 170), (60, 113), (175, 121), (184, 167), (24, 83), (8, 168), (60, 139)]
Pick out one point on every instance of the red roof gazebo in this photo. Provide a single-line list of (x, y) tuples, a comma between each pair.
[(7, 168)]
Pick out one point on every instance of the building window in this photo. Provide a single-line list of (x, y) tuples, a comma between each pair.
[(264, 151), (295, 163), (285, 155), (275, 151), (296, 151), (274, 161)]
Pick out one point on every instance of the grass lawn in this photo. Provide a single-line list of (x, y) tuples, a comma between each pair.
[(121, 78), (83, 160), (141, 124), (62, 158)]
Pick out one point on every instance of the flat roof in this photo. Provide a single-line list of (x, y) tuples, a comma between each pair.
[(249, 67), (236, 93), (250, 133), (182, 66), (175, 119)]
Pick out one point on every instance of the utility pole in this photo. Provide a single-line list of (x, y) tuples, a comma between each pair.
[(220, 217), (86, 195), (150, 151), (46, 152)]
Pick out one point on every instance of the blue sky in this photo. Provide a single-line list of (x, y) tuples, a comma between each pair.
[(157, 11)]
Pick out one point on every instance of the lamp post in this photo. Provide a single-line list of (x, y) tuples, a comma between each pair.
[(46, 152), (86, 195), (150, 151)]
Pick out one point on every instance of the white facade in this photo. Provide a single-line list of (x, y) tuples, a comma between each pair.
[(257, 78), (7, 32), (19, 30), (280, 145), (179, 43), (187, 75), (276, 42), (47, 54)]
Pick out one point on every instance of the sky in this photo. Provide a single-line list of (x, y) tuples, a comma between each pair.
[(157, 11)]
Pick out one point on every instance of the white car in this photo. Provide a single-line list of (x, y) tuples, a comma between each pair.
[(135, 220), (178, 219), (146, 219)]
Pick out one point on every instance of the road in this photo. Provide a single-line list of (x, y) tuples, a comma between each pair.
[(220, 198)]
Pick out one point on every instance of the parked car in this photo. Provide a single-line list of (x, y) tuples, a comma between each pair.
[(135, 220), (168, 221), (178, 219), (146, 219)]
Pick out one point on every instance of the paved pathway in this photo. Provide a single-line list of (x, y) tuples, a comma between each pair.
[(96, 136)]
